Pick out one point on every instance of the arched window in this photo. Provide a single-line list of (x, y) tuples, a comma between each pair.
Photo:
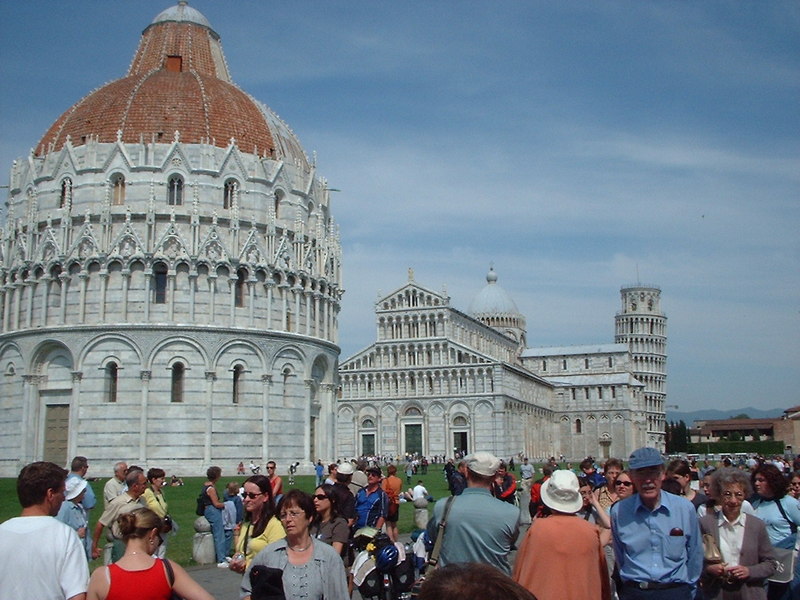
[(111, 380), (238, 370), (176, 392), (278, 198), (229, 193), (66, 192), (241, 279), (578, 426), (460, 421), (117, 189), (413, 412), (160, 284), (367, 424), (175, 190)]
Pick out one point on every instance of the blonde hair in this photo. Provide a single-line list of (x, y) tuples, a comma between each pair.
[(138, 522)]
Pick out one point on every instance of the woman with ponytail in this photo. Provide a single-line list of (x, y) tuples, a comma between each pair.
[(139, 575)]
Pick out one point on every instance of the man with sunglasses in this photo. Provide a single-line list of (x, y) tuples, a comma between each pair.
[(656, 536), (372, 503)]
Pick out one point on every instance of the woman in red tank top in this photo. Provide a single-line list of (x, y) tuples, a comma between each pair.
[(138, 575)]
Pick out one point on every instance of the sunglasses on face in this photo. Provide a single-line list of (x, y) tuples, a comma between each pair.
[(320, 497), (625, 483), (251, 495)]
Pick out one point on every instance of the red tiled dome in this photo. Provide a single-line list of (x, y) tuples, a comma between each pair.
[(178, 81)]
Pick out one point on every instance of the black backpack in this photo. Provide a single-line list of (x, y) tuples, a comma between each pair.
[(202, 502)]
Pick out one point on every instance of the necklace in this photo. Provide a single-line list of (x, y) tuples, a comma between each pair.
[(310, 542)]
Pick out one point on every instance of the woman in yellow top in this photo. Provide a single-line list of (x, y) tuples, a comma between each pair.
[(261, 526), (155, 501)]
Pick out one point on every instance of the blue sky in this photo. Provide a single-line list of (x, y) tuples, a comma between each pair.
[(577, 146)]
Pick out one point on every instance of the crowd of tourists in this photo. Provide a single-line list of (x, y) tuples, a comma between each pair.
[(651, 531)]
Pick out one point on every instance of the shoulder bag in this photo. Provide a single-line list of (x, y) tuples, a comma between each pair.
[(170, 578), (433, 559), (784, 557)]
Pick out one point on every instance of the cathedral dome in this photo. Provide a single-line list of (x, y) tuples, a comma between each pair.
[(179, 82), (492, 299)]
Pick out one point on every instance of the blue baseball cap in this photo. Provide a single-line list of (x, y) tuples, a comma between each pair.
[(645, 457)]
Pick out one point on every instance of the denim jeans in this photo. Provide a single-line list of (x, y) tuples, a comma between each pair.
[(214, 517)]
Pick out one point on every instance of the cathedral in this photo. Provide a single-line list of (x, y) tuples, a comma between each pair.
[(170, 274), (438, 381)]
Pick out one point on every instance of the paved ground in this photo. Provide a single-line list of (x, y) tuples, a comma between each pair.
[(224, 584)]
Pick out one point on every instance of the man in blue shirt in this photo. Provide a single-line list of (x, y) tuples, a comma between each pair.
[(372, 503), (656, 535)]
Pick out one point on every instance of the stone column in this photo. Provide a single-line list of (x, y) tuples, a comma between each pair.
[(29, 309), (30, 411), (211, 377), (83, 276), (74, 415), (64, 279), (144, 377), (266, 381), (126, 280), (103, 292)]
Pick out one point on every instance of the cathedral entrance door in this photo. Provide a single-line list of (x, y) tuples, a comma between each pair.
[(413, 439), (460, 443)]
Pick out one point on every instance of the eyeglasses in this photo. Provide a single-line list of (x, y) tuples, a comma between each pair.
[(292, 514), (737, 495), (270, 468), (321, 497), (625, 483), (252, 495)]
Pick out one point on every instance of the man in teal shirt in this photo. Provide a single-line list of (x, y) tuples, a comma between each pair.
[(480, 528)]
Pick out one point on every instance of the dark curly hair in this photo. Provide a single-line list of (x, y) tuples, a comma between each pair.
[(472, 580), (778, 484)]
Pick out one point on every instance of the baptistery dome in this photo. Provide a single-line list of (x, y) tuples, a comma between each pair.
[(169, 260), (178, 81)]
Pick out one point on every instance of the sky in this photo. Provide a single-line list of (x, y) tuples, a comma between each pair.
[(578, 147)]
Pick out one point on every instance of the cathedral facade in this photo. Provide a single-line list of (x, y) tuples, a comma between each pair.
[(170, 274), (438, 381)]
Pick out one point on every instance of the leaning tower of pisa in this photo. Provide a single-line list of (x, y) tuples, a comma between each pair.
[(643, 326)]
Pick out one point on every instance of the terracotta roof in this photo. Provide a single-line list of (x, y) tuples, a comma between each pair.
[(178, 81)]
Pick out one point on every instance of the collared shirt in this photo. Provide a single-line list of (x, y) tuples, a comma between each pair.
[(731, 536), (661, 545), (371, 506), (480, 528)]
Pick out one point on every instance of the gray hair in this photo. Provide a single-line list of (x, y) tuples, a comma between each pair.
[(730, 476)]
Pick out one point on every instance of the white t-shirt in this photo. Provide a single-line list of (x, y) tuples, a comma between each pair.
[(419, 492), (41, 558)]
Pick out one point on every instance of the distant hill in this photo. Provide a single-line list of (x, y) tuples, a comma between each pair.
[(700, 415)]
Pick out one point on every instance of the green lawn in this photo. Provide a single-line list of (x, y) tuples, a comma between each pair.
[(182, 504)]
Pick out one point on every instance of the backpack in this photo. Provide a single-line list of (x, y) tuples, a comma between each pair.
[(202, 502), (536, 506)]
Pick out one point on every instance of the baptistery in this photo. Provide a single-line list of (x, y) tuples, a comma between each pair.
[(170, 274)]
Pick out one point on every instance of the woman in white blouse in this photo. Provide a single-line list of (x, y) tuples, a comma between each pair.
[(742, 539)]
